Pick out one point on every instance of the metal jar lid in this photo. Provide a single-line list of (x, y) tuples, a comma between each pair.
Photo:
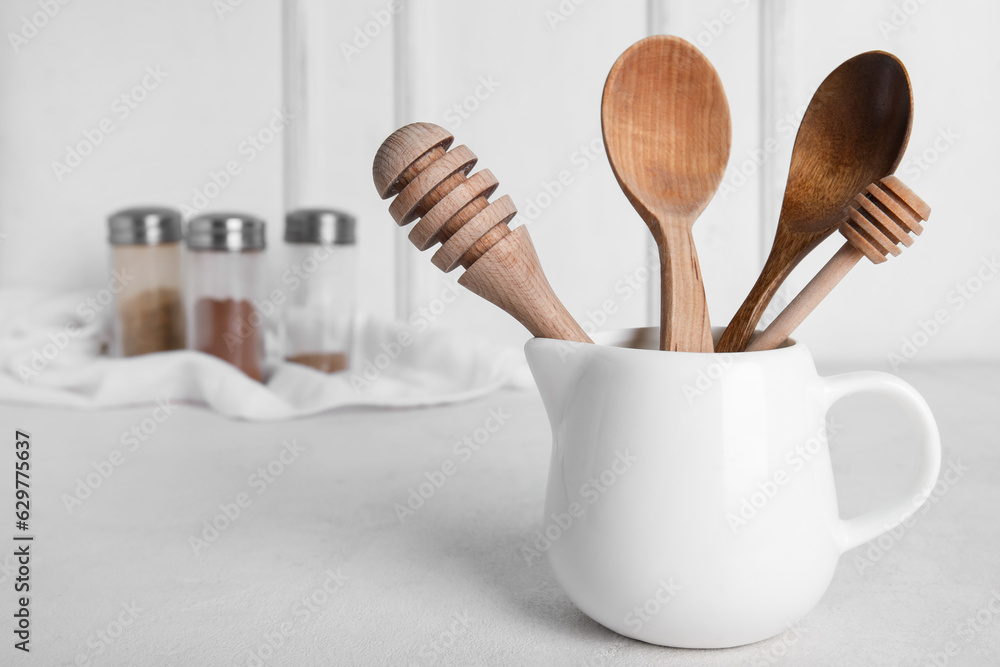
[(144, 225), (322, 226), (226, 231)]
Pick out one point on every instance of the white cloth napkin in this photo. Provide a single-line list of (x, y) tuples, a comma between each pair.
[(51, 354)]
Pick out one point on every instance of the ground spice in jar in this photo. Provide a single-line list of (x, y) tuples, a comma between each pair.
[(152, 321), (149, 307), (230, 330), (328, 362)]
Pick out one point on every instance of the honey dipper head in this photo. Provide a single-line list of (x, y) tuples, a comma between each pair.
[(401, 150), (883, 216), (432, 184)]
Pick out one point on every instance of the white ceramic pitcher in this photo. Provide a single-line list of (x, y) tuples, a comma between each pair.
[(691, 500)]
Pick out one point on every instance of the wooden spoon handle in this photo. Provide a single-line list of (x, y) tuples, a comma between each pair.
[(777, 267), (684, 322), (806, 300)]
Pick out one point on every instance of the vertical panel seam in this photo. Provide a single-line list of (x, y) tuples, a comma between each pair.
[(402, 92), (766, 74), (656, 13)]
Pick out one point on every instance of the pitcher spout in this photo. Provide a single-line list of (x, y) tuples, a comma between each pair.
[(556, 365)]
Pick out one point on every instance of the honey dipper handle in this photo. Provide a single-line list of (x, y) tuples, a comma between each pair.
[(510, 276), (806, 300)]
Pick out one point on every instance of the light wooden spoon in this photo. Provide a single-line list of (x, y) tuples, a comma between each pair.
[(853, 133), (667, 133)]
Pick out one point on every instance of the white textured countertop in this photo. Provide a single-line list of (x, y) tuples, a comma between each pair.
[(319, 561)]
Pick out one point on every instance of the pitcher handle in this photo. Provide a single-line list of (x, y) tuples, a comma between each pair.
[(868, 526)]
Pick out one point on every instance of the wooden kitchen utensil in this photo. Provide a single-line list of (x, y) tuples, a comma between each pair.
[(854, 132), (667, 133), (877, 220), (433, 184)]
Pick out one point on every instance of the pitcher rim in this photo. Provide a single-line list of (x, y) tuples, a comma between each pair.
[(602, 338)]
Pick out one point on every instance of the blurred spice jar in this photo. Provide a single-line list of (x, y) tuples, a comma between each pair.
[(227, 280), (320, 280), (146, 259)]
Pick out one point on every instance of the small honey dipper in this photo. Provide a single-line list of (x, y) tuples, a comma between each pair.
[(877, 220), (433, 184)]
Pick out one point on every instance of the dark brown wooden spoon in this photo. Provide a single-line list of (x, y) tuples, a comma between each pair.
[(854, 132)]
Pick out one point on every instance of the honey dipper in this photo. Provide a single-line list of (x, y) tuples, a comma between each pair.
[(433, 184), (877, 220)]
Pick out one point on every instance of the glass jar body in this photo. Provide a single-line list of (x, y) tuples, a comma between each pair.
[(320, 311), (226, 289), (149, 303)]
